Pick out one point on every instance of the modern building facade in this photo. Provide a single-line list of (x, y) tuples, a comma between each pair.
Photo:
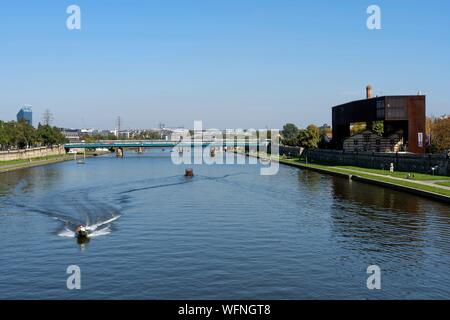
[(25, 114), (368, 141), (405, 114)]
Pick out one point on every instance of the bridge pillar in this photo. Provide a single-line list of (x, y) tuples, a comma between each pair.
[(247, 145), (119, 152)]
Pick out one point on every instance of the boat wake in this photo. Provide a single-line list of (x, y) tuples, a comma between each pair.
[(95, 207), (70, 209), (94, 230)]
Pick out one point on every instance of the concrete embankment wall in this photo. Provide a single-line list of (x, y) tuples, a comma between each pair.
[(31, 153), (402, 162), (291, 151)]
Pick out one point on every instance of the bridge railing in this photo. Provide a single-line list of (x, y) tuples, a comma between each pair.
[(165, 143), (175, 141)]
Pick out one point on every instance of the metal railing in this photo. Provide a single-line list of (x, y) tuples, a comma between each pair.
[(165, 143)]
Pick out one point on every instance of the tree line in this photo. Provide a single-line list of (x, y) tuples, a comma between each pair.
[(21, 135), (312, 137), (438, 131), (143, 135)]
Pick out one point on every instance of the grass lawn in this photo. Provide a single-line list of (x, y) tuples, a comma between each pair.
[(396, 174), (445, 184), (20, 161), (357, 171)]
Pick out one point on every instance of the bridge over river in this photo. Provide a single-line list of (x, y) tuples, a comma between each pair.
[(119, 145), (113, 144)]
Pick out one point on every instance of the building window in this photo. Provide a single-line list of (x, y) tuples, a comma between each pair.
[(367, 138), (355, 142), (377, 149), (378, 142), (380, 110)]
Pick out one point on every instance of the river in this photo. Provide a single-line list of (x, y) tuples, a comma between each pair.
[(226, 233)]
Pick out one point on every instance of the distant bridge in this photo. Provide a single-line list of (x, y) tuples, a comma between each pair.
[(113, 144)]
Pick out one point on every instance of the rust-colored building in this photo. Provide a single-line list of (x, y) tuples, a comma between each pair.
[(399, 113)]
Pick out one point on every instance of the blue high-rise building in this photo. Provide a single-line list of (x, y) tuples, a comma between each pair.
[(25, 114)]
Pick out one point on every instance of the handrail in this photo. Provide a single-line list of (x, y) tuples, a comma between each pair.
[(164, 143)]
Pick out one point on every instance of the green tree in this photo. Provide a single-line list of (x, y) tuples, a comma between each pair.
[(310, 137), (290, 134), (440, 135), (22, 135), (50, 136), (378, 127), (5, 136), (357, 127), (325, 137), (148, 135)]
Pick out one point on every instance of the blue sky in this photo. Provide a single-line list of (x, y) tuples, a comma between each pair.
[(230, 63)]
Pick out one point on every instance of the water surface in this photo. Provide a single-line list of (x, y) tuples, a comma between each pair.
[(227, 233)]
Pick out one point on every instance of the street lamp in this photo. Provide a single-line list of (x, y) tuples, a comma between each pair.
[(434, 168)]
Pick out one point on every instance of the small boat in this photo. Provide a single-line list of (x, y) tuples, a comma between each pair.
[(81, 161), (81, 232)]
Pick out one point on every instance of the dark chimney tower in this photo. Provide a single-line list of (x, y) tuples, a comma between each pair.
[(369, 92)]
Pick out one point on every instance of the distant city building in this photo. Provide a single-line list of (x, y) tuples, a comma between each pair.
[(88, 132), (105, 133), (239, 134), (212, 134), (73, 135), (95, 132), (122, 134), (25, 114), (178, 134)]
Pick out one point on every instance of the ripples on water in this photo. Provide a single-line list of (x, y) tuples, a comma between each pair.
[(85, 205), (226, 233)]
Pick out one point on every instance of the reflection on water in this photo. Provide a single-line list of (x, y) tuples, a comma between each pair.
[(368, 196), (399, 229), (25, 180), (392, 217), (226, 233)]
